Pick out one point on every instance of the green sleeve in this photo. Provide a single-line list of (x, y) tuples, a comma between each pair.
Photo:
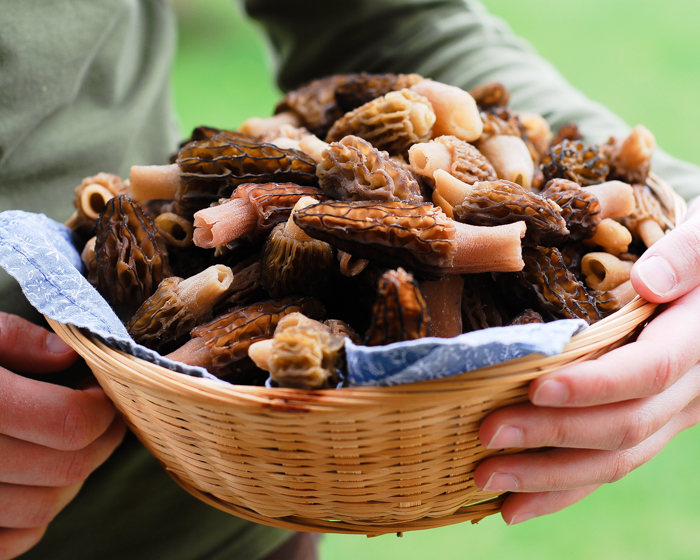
[(456, 42)]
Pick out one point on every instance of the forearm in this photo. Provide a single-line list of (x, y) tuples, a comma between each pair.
[(456, 42)]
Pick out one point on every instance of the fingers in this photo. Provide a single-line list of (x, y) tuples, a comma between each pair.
[(619, 425), (518, 508), (51, 415), (26, 507), (671, 267), (567, 469), (28, 348), (29, 464), (662, 353), (14, 542)]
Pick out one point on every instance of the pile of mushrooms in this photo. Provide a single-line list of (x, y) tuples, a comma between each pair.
[(380, 208)]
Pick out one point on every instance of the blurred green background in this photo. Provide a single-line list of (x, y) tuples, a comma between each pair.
[(640, 58)]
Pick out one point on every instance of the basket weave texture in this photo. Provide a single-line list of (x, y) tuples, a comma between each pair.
[(367, 460)]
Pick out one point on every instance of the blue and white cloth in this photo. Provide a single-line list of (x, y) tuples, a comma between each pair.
[(39, 254)]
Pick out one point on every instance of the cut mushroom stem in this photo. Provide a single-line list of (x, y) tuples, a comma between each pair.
[(488, 248), (446, 207), (223, 223), (612, 236), (449, 188), (650, 231), (176, 230), (350, 266), (604, 271), (199, 293), (154, 182), (427, 157), (313, 146), (444, 298), (510, 158), (616, 198), (93, 200), (194, 353), (624, 293), (292, 230), (256, 126), (456, 111), (88, 251), (260, 353)]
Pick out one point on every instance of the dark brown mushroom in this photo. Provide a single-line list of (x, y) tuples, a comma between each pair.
[(363, 88), (490, 95), (579, 208), (178, 306), (353, 169), (130, 256), (573, 160), (527, 317), (392, 122), (481, 304), (400, 311)]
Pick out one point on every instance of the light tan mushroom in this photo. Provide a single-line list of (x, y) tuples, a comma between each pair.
[(154, 182), (647, 221), (257, 127), (612, 236), (510, 158), (604, 271)]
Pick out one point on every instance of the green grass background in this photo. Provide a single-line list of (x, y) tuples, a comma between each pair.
[(640, 58)]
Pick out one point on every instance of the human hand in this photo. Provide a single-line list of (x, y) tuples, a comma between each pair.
[(51, 437), (603, 418)]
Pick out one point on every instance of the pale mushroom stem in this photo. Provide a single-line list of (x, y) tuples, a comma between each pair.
[(650, 231), (291, 229), (444, 299), (176, 230), (624, 293), (313, 146), (456, 111), (260, 352), (350, 266), (154, 182), (194, 353), (449, 188), (224, 223), (616, 198), (256, 126), (612, 236), (93, 200), (427, 157), (199, 293), (443, 204), (488, 248), (604, 271), (510, 158), (88, 251)]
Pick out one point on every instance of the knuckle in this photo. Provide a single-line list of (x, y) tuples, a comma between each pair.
[(76, 431), (667, 364), (689, 236), (624, 463), (639, 428), (75, 467)]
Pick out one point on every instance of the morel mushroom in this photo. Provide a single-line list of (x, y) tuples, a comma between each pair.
[(363, 88), (178, 306), (252, 208), (502, 202), (130, 256), (392, 122), (580, 208), (294, 263), (490, 95), (245, 287), (91, 197), (416, 235), (212, 169), (459, 158), (527, 317), (573, 160), (481, 305), (604, 271), (444, 297), (400, 311), (558, 294), (353, 169), (176, 230), (630, 159), (221, 346), (302, 354)]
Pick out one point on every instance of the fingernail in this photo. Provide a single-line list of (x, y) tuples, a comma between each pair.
[(506, 436), (657, 275), (501, 482), (521, 517), (55, 344), (551, 393)]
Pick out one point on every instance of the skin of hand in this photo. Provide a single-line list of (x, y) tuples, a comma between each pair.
[(51, 437), (596, 421)]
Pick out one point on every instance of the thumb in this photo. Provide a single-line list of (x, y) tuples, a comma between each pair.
[(28, 348), (670, 268)]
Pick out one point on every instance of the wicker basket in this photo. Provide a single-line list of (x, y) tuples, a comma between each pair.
[(358, 460)]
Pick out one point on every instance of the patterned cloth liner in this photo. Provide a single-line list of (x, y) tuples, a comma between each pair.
[(39, 254)]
